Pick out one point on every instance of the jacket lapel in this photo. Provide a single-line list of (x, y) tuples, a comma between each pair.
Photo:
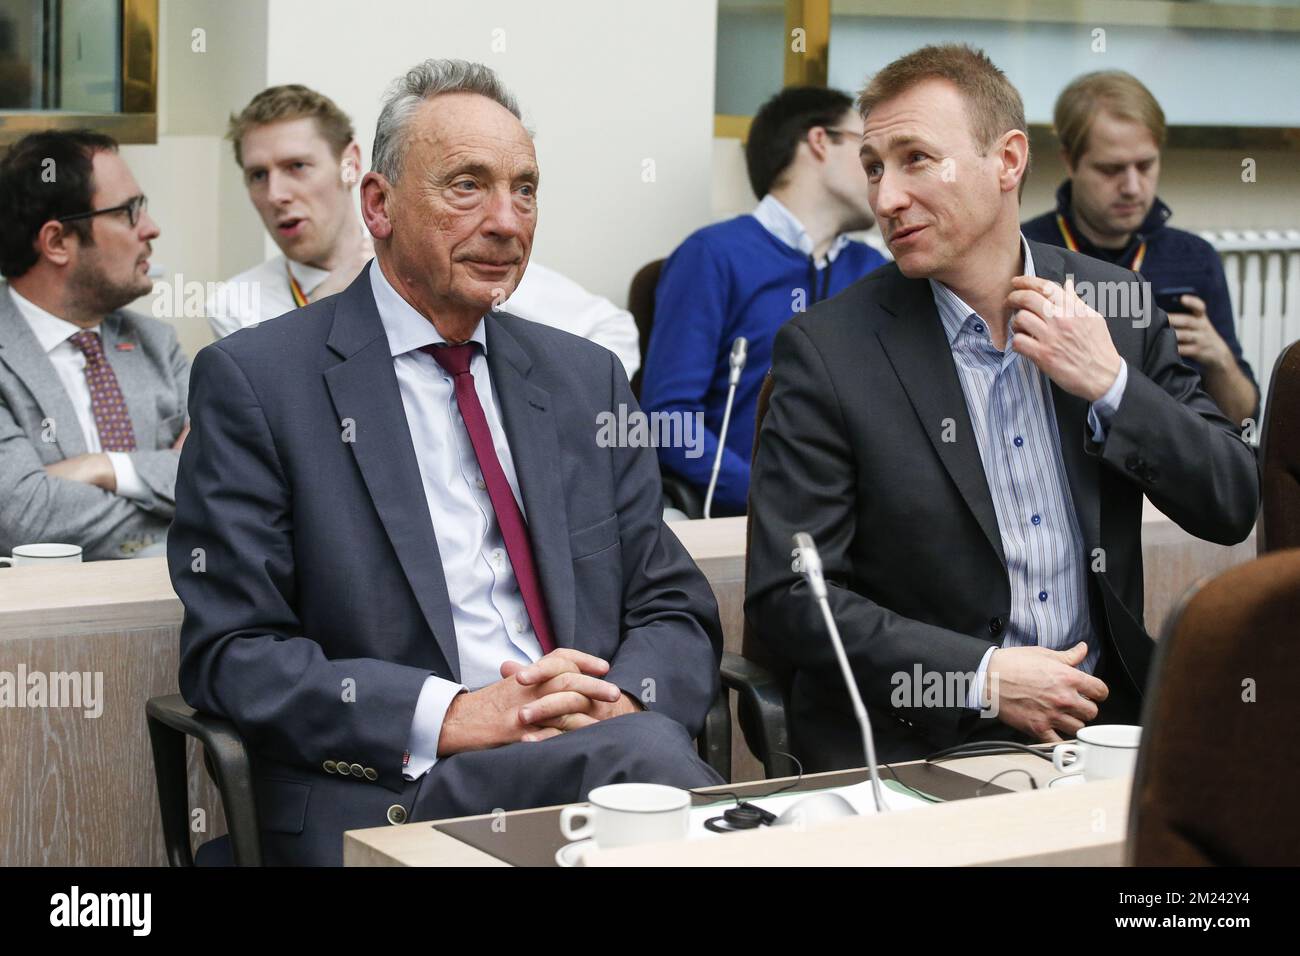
[(27, 361), (919, 351), (1081, 469), (534, 443), (363, 388)]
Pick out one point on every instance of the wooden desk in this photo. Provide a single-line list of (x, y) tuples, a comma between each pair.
[(78, 791), (1067, 825)]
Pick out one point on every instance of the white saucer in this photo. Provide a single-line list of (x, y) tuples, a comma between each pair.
[(571, 853)]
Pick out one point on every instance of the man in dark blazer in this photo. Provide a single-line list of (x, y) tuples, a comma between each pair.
[(412, 577), (968, 442)]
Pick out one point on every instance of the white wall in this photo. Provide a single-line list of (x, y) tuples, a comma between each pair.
[(209, 229), (604, 85)]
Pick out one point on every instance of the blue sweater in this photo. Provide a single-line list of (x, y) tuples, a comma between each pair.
[(730, 279), (1174, 259)]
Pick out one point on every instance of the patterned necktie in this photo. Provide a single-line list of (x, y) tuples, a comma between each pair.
[(455, 359), (106, 402)]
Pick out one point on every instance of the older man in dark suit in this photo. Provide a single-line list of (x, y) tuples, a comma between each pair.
[(412, 576), (968, 440)]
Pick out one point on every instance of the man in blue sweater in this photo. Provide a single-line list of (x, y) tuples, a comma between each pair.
[(747, 276), (1111, 129)]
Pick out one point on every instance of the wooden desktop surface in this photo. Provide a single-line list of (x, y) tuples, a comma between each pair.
[(1063, 825)]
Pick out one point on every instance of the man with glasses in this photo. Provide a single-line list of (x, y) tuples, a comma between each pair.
[(92, 398), (748, 275)]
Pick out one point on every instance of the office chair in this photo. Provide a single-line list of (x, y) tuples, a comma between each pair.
[(760, 679), (170, 721), (1279, 524), (1216, 779), (678, 492)]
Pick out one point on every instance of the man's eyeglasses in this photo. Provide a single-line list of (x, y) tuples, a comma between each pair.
[(133, 208), (839, 131)]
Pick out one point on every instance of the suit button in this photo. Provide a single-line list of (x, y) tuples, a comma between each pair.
[(329, 766), (1152, 475), (371, 774), (1133, 463), (396, 814), (995, 625), (357, 770)]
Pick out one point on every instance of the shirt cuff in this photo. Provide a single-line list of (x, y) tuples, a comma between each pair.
[(129, 484), (1103, 409), (426, 726), (975, 694)]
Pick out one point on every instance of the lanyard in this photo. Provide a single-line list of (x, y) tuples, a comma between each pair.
[(295, 290), (1073, 244)]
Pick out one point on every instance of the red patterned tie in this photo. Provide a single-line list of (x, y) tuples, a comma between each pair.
[(111, 415), (455, 359)]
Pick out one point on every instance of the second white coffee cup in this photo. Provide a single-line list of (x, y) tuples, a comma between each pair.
[(1102, 752), (44, 554), (624, 814)]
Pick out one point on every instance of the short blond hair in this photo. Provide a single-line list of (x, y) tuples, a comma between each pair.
[(1118, 93), (995, 103), (292, 101)]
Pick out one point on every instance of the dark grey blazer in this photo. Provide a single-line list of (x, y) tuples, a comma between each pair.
[(308, 564), (39, 427), (853, 452)]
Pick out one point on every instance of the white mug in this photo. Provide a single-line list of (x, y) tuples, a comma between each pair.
[(44, 554), (1103, 751), (623, 814)]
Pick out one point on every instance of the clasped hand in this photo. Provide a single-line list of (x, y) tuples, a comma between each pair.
[(562, 691)]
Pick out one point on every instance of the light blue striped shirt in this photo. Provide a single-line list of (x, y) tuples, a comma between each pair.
[(1011, 410)]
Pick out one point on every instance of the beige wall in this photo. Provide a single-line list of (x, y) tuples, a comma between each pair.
[(209, 230), (605, 86)]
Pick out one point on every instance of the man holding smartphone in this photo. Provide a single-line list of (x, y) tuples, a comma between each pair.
[(1111, 130)]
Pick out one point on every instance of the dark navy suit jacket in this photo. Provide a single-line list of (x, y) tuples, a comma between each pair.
[(304, 553)]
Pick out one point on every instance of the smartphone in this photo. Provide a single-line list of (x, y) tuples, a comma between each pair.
[(1170, 300)]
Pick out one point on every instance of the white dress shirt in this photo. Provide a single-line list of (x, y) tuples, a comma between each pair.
[(69, 363), (543, 296), (492, 624), (259, 294), (777, 219), (547, 297)]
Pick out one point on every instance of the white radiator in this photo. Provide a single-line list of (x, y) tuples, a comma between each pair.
[(1263, 270)]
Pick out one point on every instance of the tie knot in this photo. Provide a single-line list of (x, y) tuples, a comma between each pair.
[(454, 358), (88, 342)]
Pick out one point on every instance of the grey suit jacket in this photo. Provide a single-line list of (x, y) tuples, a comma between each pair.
[(38, 427)]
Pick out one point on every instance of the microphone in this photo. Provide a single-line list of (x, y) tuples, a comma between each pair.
[(810, 563), (739, 352)]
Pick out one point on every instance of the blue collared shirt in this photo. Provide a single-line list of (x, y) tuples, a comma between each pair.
[(777, 219), (1011, 410)]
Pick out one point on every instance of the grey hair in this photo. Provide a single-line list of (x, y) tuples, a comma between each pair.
[(422, 82)]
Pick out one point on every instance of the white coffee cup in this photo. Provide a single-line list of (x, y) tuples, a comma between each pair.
[(624, 814), (1104, 751), (44, 554)]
